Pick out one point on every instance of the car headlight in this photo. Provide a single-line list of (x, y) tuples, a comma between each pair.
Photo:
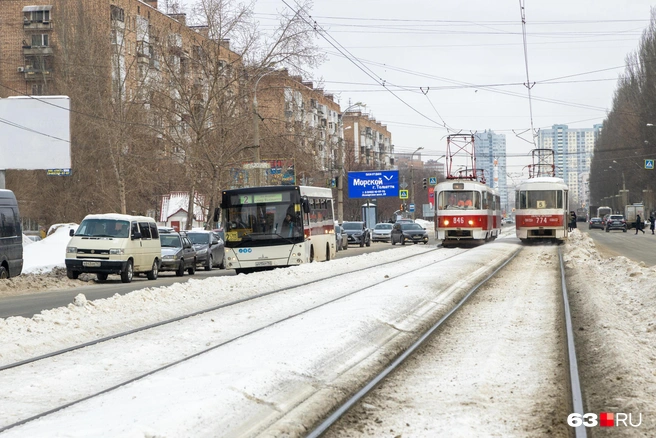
[(116, 251), (169, 257), (71, 250), (201, 251)]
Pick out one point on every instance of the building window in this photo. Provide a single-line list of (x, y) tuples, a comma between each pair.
[(37, 89), (40, 40), (116, 13), (36, 14)]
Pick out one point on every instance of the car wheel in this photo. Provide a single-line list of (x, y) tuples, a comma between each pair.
[(369, 242), (180, 271), (154, 271), (192, 269), (402, 240), (607, 230), (393, 241), (624, 230), (222, 264), (69, 273), (101, 276), (210, 263), (128, 272)]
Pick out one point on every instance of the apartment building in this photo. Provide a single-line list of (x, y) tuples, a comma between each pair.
[(368, 141), (491, 157), (573, 149), (298, 118)]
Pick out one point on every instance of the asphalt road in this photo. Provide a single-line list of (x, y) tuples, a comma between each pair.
[(31, 304), (641, 247)]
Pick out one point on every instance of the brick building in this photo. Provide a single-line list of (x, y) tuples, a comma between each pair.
[(368, 141)]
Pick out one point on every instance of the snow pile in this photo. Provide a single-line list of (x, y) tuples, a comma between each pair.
[(45, 255)]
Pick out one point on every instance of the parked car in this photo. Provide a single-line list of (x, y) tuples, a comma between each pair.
[(341, 239), (210, 250), (408, 232), (615, 222), (11, 241), (381, 232), (358, 233), (34, 238), (112, 243), (178, 254), (595, 222)]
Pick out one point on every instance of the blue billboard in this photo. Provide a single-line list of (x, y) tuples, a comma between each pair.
[(373, 184)]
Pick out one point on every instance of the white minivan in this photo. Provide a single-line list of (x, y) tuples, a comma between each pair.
[(111, 243)]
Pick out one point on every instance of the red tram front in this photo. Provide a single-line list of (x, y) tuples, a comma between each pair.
[(466, 211), (541, 209)]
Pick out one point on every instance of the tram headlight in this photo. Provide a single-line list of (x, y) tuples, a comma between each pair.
[(471, 222), (446, 222)]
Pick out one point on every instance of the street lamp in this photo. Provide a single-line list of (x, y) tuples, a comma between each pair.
[(340, 165), (256, 127), (412, 180)]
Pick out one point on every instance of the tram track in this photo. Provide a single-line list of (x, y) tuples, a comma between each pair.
[(63, 363), (433, 390)]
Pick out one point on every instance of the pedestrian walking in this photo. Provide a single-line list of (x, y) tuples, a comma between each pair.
[(652, 221), (639, 224), (572, 220)]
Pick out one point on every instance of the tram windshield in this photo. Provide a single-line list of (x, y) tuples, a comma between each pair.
[(539, 199), (459, 200)]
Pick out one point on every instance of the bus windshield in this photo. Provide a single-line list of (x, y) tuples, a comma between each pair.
[(262, 219)]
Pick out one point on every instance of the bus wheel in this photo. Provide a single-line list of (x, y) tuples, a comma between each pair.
[(311, 254), (327, 252)]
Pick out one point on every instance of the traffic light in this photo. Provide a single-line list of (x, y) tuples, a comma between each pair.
[(425, 183)]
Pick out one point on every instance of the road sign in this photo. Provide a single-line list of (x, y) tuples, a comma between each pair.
[(373, 184), (432, 180), (411, 208), (403, 194), (403, 185), (649, 164)]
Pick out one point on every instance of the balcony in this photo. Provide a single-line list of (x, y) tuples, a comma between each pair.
[(37, 50), (37, 25), (35, 74)]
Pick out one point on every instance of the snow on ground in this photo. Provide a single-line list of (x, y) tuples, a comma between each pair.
[(612, 302)]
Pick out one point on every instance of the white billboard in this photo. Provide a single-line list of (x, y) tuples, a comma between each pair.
[(35, 132)]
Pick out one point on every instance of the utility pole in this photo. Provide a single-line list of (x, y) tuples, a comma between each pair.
[(340, 165), (412, 181), (256, 131)]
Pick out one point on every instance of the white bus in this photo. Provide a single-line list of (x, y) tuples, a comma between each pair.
[(276, 226)]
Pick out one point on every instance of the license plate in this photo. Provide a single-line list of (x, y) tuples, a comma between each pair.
[(91, 264), (266, 263)]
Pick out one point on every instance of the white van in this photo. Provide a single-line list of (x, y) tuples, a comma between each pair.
[(114, 244)]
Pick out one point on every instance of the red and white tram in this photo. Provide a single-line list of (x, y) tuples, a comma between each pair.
[(467, 211), (541, 209)]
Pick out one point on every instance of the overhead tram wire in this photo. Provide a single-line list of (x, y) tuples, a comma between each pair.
[(325, 35), (522, 11)]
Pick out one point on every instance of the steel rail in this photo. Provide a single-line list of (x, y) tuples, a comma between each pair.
[(236, 338), (574, 382), (343, 408), (190, 315)]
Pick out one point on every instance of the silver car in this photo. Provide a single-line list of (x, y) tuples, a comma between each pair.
[(177, 253), (382, 232), (210, 249), (341, 239)]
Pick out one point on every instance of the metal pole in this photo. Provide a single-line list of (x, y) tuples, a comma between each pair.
[(340, 165), (340, 182), (412, 181)]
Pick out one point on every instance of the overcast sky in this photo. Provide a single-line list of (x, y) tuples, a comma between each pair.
[(462, 64)]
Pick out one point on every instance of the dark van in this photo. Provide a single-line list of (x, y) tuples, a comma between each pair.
[(11, 236)]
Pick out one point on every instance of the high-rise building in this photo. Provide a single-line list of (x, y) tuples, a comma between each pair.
[(491, 157), (573, 149)]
